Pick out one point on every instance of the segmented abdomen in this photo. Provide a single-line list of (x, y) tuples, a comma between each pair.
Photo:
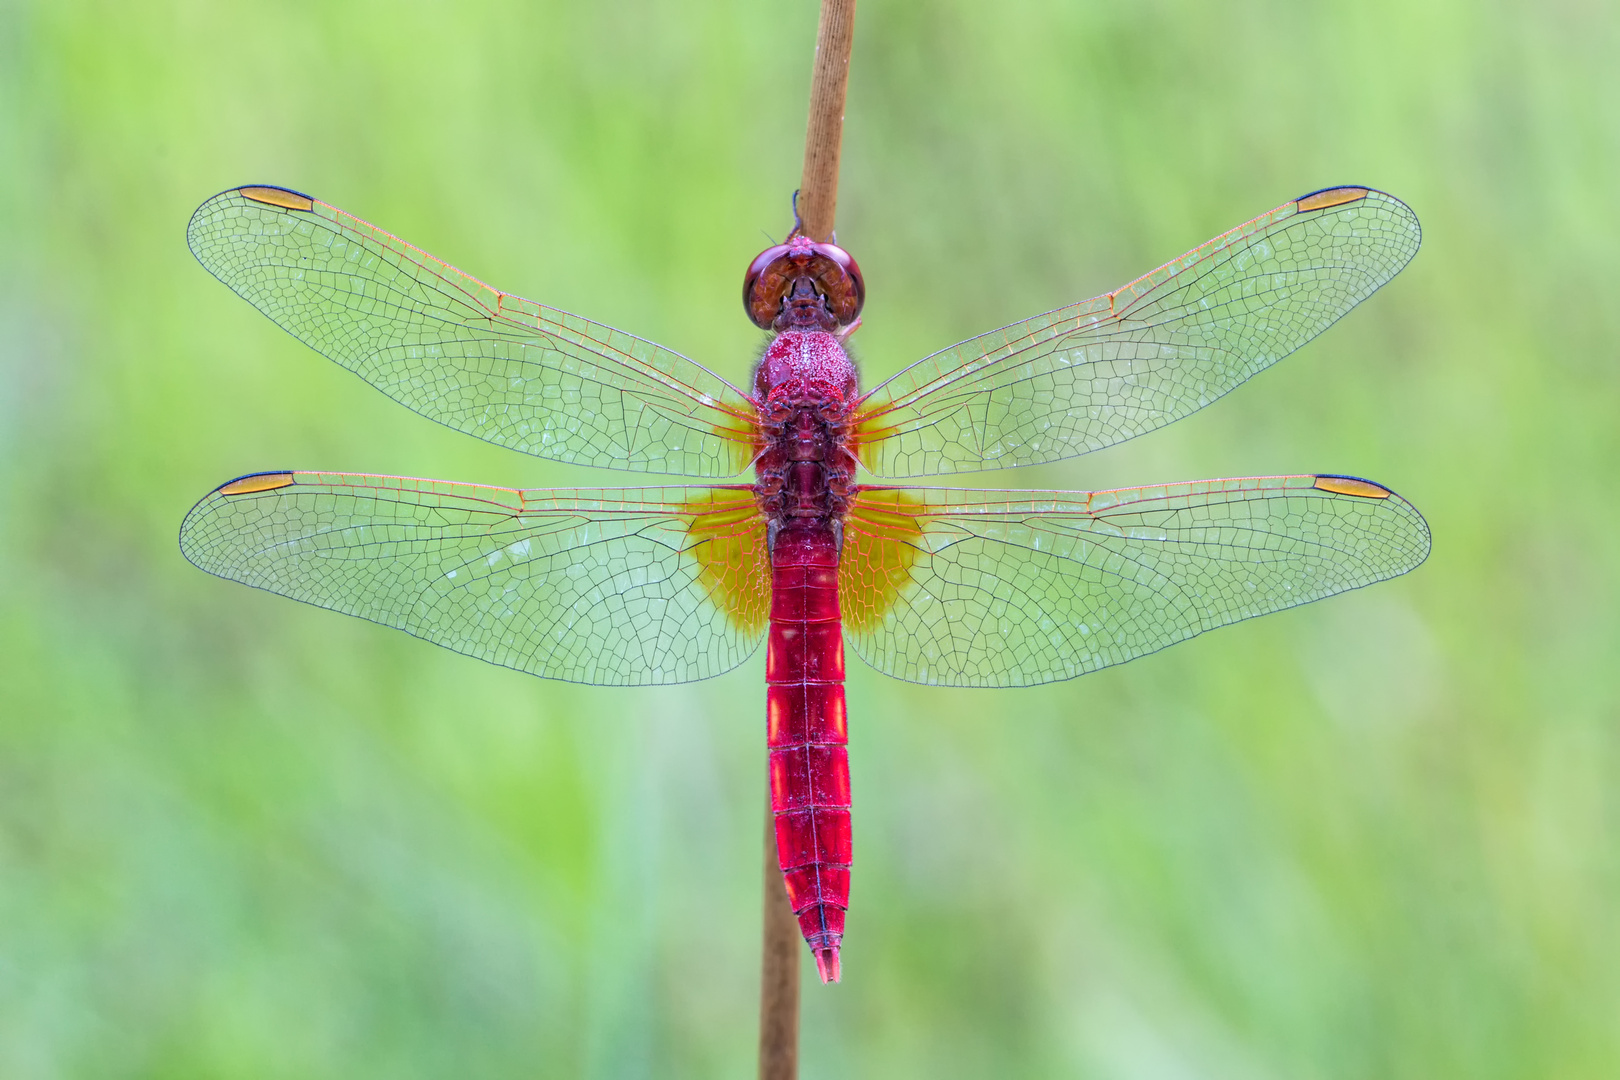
[(807, 735)]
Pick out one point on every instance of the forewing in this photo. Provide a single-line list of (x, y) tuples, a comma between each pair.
[(616, 587), (1107, 369), (1012, 588), (457, 351)]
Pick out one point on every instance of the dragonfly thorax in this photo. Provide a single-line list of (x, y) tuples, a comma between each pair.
[(805, 386), (805, 367)]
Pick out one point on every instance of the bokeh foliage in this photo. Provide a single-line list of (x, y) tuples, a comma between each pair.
[(1371, 837)]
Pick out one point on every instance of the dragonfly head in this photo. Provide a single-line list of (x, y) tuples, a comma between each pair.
[(804, 285)]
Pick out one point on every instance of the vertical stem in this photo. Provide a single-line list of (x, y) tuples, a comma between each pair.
[(818, 191), (779, 974), (818, 201)]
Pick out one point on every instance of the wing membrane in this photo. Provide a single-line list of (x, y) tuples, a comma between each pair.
[(1012, 588), (1107, 369), (620, 587), (491, 364)]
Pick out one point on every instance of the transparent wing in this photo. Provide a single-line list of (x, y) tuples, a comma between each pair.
[(617, 587), (457, 351), (1105, 370), (1011, 588)]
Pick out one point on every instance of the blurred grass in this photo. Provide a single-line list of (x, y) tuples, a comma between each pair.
[(1371, 837)]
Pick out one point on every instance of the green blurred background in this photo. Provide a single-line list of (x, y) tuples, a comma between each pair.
[(1374, 837)]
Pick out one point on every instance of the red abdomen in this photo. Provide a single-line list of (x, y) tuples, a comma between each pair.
[(807, 735)]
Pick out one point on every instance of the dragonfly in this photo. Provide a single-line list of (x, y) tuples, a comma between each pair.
[(951, 587)]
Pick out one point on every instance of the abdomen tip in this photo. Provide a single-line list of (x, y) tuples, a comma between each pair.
[(827, 963)]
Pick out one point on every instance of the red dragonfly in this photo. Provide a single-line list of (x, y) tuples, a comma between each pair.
[(642, 586)]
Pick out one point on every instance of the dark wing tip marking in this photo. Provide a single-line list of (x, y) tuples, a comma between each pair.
[(271, 195), (1327, 198), (1351, 485), (254, 482)]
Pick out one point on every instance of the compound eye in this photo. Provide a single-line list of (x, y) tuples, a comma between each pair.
[(845, 288), (832, 271), (764, 285)]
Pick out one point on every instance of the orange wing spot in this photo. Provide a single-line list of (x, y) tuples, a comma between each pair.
[(265, 481), (880, 547), (1349, 485), (868, 437), (746, 442), (1322, 200), (275, 196), (728, 542)]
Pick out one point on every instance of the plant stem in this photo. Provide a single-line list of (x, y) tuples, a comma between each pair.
[(818, 202), (829, 78), (779, 972)]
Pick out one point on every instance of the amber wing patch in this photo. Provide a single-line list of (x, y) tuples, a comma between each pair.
[(868, 436), (745, 440), (881, 537), (727, 534)]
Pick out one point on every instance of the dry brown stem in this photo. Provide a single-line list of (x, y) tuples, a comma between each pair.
[(818, 191), (779, 972)]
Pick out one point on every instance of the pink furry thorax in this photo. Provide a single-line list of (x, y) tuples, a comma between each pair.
[(805, 367)]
